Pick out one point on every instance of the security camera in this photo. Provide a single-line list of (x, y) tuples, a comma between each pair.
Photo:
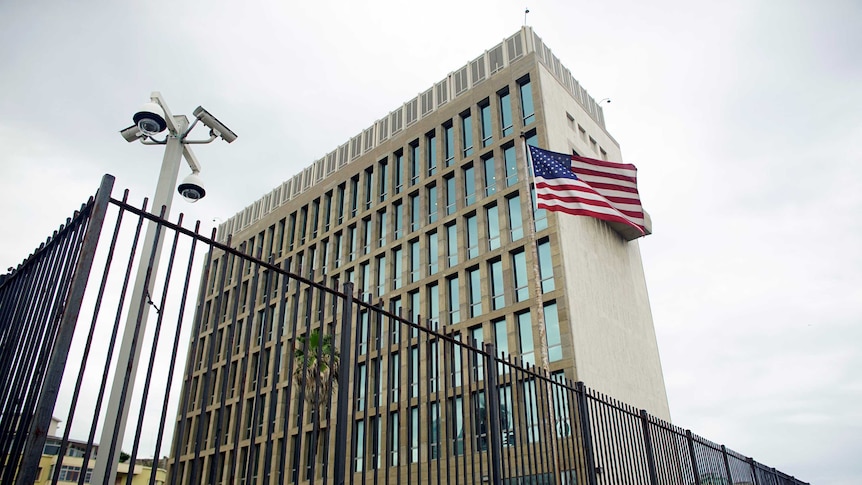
[(217, 127), (192, 188), (131, 133), (150, 119)]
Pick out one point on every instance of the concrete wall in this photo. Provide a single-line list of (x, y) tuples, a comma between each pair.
[(608, 307)]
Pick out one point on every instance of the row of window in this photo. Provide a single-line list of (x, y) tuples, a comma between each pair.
[(407, 167)]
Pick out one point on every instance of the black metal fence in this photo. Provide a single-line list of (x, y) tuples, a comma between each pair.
[(290, 380)]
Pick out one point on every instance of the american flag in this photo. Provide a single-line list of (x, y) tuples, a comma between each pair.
[(583, 186)]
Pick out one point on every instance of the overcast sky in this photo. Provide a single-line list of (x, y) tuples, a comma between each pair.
[(743, 118)]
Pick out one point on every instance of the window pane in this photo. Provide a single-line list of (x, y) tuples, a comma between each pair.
[(552, 332), (490, 176), (452, 244), (469, 186), (516, 224), (431, 153), (451, 196), (511, 166), (493, 227), (505, 114), (525, 333), (432, 204), (546, 268), (433, 265), (475, 293), (519, 266), (498, 294), (454, 300), (527, 102), (467, 134), (472, 237), (449, 143), (485, 114)]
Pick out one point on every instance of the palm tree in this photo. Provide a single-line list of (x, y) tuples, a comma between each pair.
[(316, 367)]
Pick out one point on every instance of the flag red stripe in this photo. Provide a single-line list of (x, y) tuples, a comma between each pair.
[(605, 163)]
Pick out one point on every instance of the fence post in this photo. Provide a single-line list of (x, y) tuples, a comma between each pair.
[(753, 466), (54, 374), (341, 424), (726, 464), (587, 437), (492, 397), (694, 466), (653, 475)]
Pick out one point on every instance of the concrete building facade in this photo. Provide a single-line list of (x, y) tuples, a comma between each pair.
[(431, 209)]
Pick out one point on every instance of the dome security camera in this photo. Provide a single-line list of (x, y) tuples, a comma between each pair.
[(150, 119), (192, 188)]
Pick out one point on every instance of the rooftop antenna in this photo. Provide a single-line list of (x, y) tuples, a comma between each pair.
[(526, 11)]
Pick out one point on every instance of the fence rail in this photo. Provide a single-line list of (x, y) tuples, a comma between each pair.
[(292, 380)]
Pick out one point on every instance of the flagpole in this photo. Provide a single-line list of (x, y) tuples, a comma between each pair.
[(530, 182)]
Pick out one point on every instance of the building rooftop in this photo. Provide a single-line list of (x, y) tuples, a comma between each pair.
[(455, 84)]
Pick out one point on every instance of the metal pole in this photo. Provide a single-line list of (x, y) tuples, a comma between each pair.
[(48, 397), (492, 399), (648, 448), (127, 364), (341, 423)]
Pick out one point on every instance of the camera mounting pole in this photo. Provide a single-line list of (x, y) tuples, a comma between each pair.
[(128, 358)]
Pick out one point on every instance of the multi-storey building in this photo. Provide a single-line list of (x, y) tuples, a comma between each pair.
[(431, 210)]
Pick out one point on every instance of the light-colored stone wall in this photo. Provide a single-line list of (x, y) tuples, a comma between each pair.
[(611, 323)]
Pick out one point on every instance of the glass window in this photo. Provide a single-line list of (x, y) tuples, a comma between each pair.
[(433, 255), (458, 404), (381, 229), (467, 134), (291, 231), (434, 304), (381, 275), (358, 459), (485, 115), (525, 333), (414, 261), (527, 102), (351, 240), (399, 172), (397, 221), (366, 278), (414, 311), (519, 267), (366, 234), (516, 224), (354, 195), (414, 212), (414, 372), (493, 227), (511, 166), (506, 127), (472, 236), (475, 292), (454, 300), (414, 162), (498, 292), (531, 410), (394, 372), (451, 206), (452, 244), (315, 211), (552, 332), (469, 185), (303, 222), (477, 336), (393, 438), (432, 204), (414, 435), (501, 341), (336, 250), (361, 377), (383, 179), (434, 430), (546, 267), (369, 184), (339, 205), (397, 268), (490, 176), (327, 210), (431, 153), (449, 143)]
